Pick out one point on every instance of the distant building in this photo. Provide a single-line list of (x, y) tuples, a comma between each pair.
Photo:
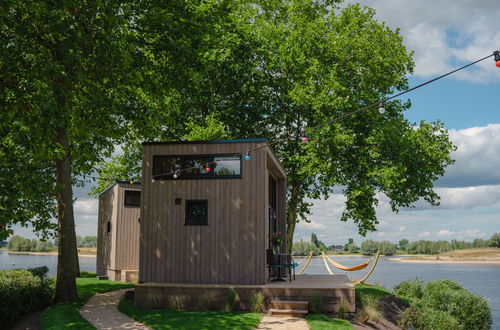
[(118, 232)]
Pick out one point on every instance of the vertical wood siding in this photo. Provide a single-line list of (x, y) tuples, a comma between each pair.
[(231, 249), (126, 247), (107, 212)]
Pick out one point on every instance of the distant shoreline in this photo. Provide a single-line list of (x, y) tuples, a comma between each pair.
[(493, 262), (51, 253)]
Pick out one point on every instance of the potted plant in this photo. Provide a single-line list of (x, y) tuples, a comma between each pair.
[(276, 240)]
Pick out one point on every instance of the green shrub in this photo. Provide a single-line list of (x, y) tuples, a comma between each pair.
[(443, 305), (428, 319), (317, 303), (21, 292), (471, 311), (411, 290), (40, 272), (207, 301), (257, 301), (230, 301), (343, 310)]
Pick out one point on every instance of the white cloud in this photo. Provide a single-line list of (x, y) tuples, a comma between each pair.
[(424, 234), (477, 157), (86, 206), (445, 35), (444, 233)]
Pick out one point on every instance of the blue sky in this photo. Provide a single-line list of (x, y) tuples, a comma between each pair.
[(443, 36)]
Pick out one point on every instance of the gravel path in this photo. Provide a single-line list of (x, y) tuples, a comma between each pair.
[(282, 323), (102, 311)]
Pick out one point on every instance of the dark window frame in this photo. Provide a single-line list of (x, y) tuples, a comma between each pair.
[(188, 220), (194, 176), (126, 202)]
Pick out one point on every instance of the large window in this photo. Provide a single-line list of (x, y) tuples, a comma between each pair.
[(197, 166), (132, 198), (197, 212)]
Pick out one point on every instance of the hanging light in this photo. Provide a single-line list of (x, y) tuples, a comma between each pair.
[(176, 175), (496, 53), (247, 155), (303, 136), (381, 107), (153, 179)]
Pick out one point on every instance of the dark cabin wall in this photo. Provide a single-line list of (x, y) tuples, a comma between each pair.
[(231, 249)]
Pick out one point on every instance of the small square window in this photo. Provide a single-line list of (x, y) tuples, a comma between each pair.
[(132, 198), (197, 212)]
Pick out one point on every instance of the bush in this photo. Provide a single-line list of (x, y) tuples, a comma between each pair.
[(21, 292), (411, 290), (430, 319), (317, 303), (257, 301), (230, 301), (40, 272), (443, 305)]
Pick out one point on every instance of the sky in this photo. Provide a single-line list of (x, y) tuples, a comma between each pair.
[(443, 35)]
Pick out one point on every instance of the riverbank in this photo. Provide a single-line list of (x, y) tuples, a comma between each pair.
[(82, 252), (483, 256)]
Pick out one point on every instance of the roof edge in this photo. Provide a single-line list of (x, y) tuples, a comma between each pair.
[(205, 141)]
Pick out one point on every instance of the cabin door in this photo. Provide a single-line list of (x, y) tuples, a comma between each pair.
[(273, 225)]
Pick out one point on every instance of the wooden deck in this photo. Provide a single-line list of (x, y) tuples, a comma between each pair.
[(333, 290)]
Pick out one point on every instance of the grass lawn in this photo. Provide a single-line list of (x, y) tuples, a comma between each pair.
[(323, 322), (62, 316), (366, 292), (172, 319)]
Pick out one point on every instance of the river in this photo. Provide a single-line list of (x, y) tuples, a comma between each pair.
[(483, 280)]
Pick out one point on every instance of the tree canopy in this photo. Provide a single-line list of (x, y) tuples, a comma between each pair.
[(277, 69), (78, 78)]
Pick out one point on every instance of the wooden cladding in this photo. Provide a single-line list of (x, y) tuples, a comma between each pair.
[(231, 247), (118, 230)]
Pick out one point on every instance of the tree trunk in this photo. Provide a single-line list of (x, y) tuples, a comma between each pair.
[(67, 260), (291, 218)]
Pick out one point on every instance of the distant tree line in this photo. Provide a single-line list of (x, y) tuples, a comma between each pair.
[(21, 244), (86, 241), (370, 247)]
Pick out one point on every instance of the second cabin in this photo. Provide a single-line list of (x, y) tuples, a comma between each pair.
[(209, 211)]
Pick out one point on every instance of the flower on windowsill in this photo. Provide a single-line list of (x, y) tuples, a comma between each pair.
[(276, 238)]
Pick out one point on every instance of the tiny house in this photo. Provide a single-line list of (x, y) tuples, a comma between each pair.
[(209, 210), (118, 232)]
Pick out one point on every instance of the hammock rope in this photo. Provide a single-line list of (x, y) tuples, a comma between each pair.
[(326, 264), (350, 269), (370, 272), (307, 264)]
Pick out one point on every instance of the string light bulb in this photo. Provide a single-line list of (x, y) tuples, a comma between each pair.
[(176, 175), (153, 180), (303, 136), (381, 107), (496, 53), (247, 155)]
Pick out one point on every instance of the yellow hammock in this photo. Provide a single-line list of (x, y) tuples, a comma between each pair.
[(307, 264), (350, 269)]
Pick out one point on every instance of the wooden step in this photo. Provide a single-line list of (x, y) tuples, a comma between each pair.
[(288, 312), (289, 304)]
